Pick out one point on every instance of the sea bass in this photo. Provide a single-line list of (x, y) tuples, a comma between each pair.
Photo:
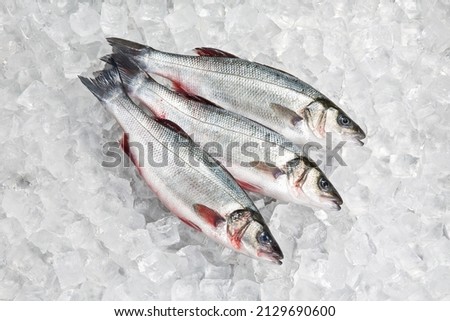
[(267, 95), (191, 184), (260, 159)]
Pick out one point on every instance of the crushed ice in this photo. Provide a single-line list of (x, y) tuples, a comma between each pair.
[(72, 230)]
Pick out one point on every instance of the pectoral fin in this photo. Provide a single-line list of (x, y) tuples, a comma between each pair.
[(208, 214), (249, 187), (266, 168), (285, 113)]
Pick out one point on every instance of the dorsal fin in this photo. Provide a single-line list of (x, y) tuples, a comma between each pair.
[(171, 125), (212, 52)]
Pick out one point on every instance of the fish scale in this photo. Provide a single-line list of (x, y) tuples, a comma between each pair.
[(269, 96), (231, 90), (143, 130), (191, 184), (219, 128)]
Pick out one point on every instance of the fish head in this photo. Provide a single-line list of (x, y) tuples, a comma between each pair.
[(323, 116), (251, 236), (307, 182)]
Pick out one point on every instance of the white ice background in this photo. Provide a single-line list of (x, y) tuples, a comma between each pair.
[(73, 230)]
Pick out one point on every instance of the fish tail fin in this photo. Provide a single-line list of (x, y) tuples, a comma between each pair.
[(128, 47), (106, 85), (130, 72)]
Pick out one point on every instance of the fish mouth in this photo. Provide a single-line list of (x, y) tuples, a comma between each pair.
[(355, 136), (336, 206), (357, 140), (276, 256), (359, 137), (334, 203)]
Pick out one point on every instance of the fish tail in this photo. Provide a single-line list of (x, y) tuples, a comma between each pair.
[(130, 72), (128, 47), (106, 85)]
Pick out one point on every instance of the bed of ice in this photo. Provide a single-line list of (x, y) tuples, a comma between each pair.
[(73, 230)]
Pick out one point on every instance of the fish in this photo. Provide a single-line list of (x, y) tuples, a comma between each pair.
[(270, 165), (269, 96), (191, 184)]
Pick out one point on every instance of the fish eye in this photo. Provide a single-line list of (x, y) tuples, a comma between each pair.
[(264, 238), (324, 184), (344, 121)]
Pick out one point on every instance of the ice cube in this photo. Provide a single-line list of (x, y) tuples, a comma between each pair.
[(91, 291), (211, 10), (49, 242), (187, 40), (60, 32), (27, 260), (19, 204), (101, 269), (438, 253), (214, 289), (140, 243), (114, 20), (81, 235), (151, 10), (411, 8), (185, 289), (69, 267), (436, 282), (404, 165), (291, 219), (245, 290), (375, 63), (11, 231), (217, 272), (135, 287), (275, 289), (358, 250), (182, 19), (75, 63), (164, 232), (240, 20), (305, 290), (86, 21), (157, 266), (338, 269), (313, 235), (11, 283), (28, 97), (212, 32)]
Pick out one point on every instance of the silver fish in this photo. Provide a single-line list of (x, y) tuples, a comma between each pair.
[(191, 184), (267, 95), (263, 160)]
